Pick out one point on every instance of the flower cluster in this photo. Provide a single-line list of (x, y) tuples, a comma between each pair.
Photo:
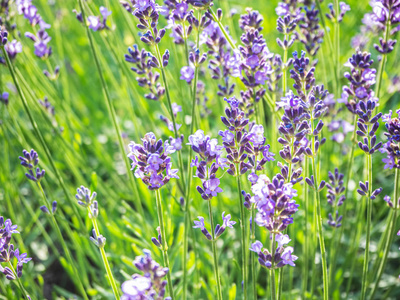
[(256, 148), (361, 77), (151, 161), (97, 23), (275, 204), (187, 72), (175, 109), (281, 257), (311, 32), (8, 251), (47, 106), (344, 8), (391, 147), (207, 163), (180, 21), (30, 160), (143, 66), (13, 48), (4, 98), (219, 229), (88, 199), (288, 7), (236, 139), (335, 196), (286, 25), (386, 13), (3, 36), (150, 285), (41, 39)]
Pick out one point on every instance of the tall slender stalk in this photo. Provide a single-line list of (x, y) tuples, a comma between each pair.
[(368, 233), (70, 260), (305, 249), (272, 272), (105, 260), (113, 115), (40, 136), (243, 234), (382, 63), (164, 245), (21, 287), (391, 228), (214, 249)]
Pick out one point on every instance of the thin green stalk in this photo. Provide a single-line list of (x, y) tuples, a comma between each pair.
[(305, 250), (337, 56), (253, 261), (272, 272), (111, 110), (392, 229), (221, 26), (188, 187), (284, 73), (21, 287), (40, 136), (164, 245), (71, 262), (105, 260), (215, 257), (368, 233), (243, 233), (315, 171), (382, 62)]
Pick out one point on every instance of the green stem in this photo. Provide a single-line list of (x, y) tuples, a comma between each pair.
[(243, 233), (368, 233), (105, 260), (21, 287), (41, 139), (111, 111), (71, 262), (305, 264), (392, 230), (221, 26), (214, 249), (164, 245), (382, 63), (272, 272), (315, 171)]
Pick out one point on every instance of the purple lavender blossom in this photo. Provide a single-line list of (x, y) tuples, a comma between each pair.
[(4, 98), (207, 163), (13, 48), (40, 40), (8, 250), (151, 162), (148, 285), (187, 74), (30, 160), (391, 147), (335, 196), (218, 230), (97, 23)]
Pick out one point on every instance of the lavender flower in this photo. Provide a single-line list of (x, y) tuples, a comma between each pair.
[(344, 8), (151, 162), (335, 196), (275, 204), (207, 163), (8, 250), (13, 48), (218, 230), (311, 32), (30, 160), (150, 284), (3, 36), (391, 147), (282, 256), (47, 106), (361, 78), (148, 78), (4, 98), (97, 23), (40, 40), (385, 14), (187, 74)]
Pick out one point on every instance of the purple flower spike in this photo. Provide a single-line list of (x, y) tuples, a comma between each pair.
[(187, 74), (256, 247)]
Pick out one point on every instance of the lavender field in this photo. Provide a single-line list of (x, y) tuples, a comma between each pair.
[(199, 149)]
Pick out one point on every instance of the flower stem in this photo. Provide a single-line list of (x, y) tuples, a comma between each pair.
[(306, 205), (382, 63), (188, 188), (71, 262), (368, 233), (41, 139), (21, 287), (391, 227), (111, 111), (243, 233), (105, 261), (315, 171), (221, 26), (164, 245), (214, 249), (272, 272)]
